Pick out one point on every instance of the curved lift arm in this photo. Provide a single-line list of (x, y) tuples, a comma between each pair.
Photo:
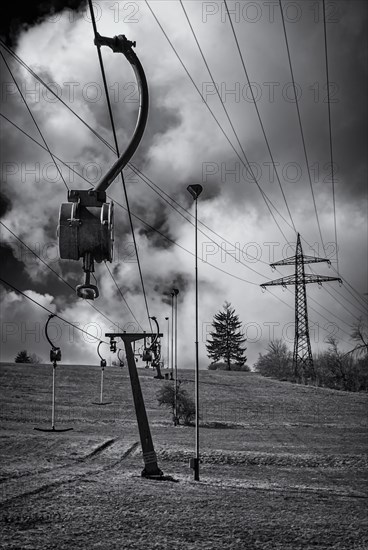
[(103, 361), (55, 352), (122, 45)]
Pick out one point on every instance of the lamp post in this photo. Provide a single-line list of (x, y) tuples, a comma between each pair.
[(195, 191), (174, 295), (168, 341)]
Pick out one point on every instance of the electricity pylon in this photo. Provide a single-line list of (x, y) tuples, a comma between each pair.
[(302, 356)]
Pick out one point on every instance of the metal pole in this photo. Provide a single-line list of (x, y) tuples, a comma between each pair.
[(53, 396), (176, 357), (195, 190), (172, 334), (102, 381), (196, 466), (172, 353), (151, 468), (168, 341)]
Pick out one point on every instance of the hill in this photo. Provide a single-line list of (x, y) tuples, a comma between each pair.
[(283, 466)]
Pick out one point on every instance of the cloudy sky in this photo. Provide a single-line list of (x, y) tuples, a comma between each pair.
[(243, 224)]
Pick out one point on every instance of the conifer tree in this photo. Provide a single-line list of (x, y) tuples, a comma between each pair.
[(22, 357), (227, 338)]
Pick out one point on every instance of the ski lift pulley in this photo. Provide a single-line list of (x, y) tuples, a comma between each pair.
[(86, 221)]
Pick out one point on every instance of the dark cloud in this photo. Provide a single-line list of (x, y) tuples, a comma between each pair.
[(12, 269), (18, 15), (5, 204)]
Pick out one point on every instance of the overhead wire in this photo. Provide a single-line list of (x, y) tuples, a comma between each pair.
[(358, 297), (33, 118), (55, 272), (124, 208), (301, 126), (218, 123), (122, 295), (49, 89), (162, 234), (85, 179), (49, 311), (118, 154), (266, 199), (258, 114), (330, 131), (207, 236), (114, 128), (224, 106)]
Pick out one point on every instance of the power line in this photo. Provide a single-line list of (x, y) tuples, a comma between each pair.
[(112, 149), (33, 118), (330, 131), (258, 114), (267, 201), (177, 244), (142, 176), (49, 89), (215, 243), (208, 107), (118, 154), (224, 106), (124, 208), (173, 242), (300, 125)]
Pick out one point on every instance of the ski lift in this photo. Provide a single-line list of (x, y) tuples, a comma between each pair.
[(103, 365), (112, 345), (156, 349), (147, 355), (55, 356), (121, 361), (86, 221)]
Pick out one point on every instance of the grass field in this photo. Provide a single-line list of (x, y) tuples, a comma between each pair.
[(283, 466)]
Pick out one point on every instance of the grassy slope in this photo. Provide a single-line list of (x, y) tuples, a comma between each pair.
[(283, 465)]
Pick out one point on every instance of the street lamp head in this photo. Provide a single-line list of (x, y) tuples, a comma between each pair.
[(175, 292), (153, 318), (166, 318), (195, 190)]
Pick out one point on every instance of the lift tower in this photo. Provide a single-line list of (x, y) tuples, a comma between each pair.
[(302, 356)]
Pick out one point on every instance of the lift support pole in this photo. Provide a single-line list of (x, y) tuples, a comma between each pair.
[(151, 469)]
